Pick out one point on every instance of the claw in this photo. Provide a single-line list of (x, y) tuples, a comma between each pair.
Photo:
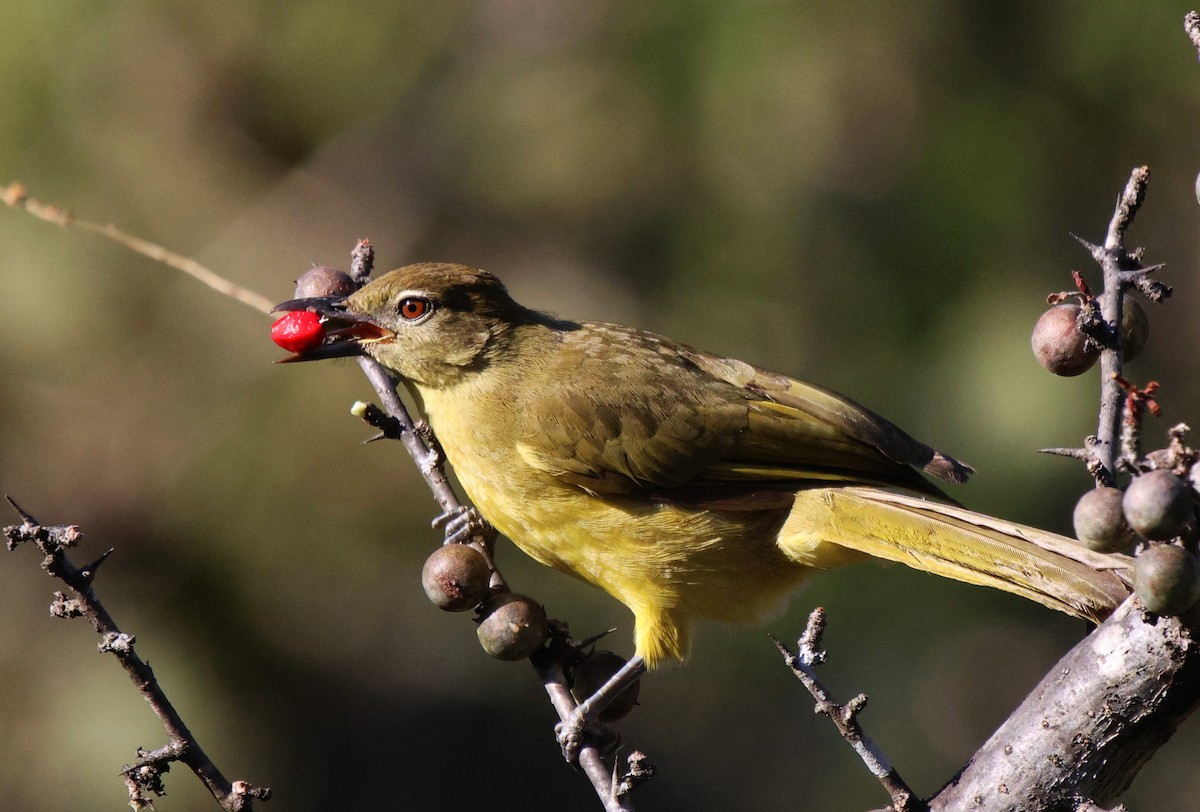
[(461, 524), (572, 733), (570, 737)]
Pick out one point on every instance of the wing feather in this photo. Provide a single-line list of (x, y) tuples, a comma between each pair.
[(681, 417)]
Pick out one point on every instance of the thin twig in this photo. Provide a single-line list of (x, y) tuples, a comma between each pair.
[(845, 717), (16, 195), (145, 775)]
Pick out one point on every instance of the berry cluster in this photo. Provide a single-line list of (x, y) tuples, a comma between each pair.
[(1157, 510)]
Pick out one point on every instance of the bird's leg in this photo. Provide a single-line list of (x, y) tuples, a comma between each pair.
[(570, 731)]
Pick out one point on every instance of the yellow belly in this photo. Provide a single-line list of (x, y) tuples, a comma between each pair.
[(667, 564)]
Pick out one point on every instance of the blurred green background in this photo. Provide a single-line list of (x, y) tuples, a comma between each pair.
[(872, 195)]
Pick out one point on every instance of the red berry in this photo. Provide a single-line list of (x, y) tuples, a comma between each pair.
[(298, 331)]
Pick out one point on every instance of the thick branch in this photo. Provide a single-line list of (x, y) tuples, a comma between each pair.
[(1092, 722)]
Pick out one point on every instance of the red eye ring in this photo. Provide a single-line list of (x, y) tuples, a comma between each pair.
[(414, 307)]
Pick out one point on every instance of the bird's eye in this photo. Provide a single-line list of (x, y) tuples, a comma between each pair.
[(414, 307)]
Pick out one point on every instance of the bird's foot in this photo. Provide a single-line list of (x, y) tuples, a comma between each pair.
[(462, 524), (584, 721), (577, 729)]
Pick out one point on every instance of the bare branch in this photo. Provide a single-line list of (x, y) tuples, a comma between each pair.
[(1114, 259), (144, 777), (845, 717), (16, 196)]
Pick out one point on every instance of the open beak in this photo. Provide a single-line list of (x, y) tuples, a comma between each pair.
[(345, 332)]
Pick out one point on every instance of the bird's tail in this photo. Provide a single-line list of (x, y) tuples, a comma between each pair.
[(956, 543)]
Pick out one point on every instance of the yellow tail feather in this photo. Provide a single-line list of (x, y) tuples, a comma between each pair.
[(955, 543)]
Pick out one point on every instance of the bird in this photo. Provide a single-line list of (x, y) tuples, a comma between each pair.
[(687, 485)]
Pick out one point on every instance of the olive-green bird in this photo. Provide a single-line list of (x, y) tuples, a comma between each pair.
[(684, 484)]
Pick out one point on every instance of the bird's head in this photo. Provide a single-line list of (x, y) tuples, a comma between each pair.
[(432, 324)]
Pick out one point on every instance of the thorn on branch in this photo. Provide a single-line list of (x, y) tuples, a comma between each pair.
[(88, 571), (1097, 251), (1073, 453), (593, 639), (25, 517), (1090, 456)]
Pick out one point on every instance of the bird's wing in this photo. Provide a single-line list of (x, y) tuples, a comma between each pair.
[(630, 437), (681, 423), (795, 421)]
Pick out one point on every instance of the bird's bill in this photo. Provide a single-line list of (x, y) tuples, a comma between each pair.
[(345, 332)]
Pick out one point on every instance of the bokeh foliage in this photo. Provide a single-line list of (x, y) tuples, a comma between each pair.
[(872, 195)]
